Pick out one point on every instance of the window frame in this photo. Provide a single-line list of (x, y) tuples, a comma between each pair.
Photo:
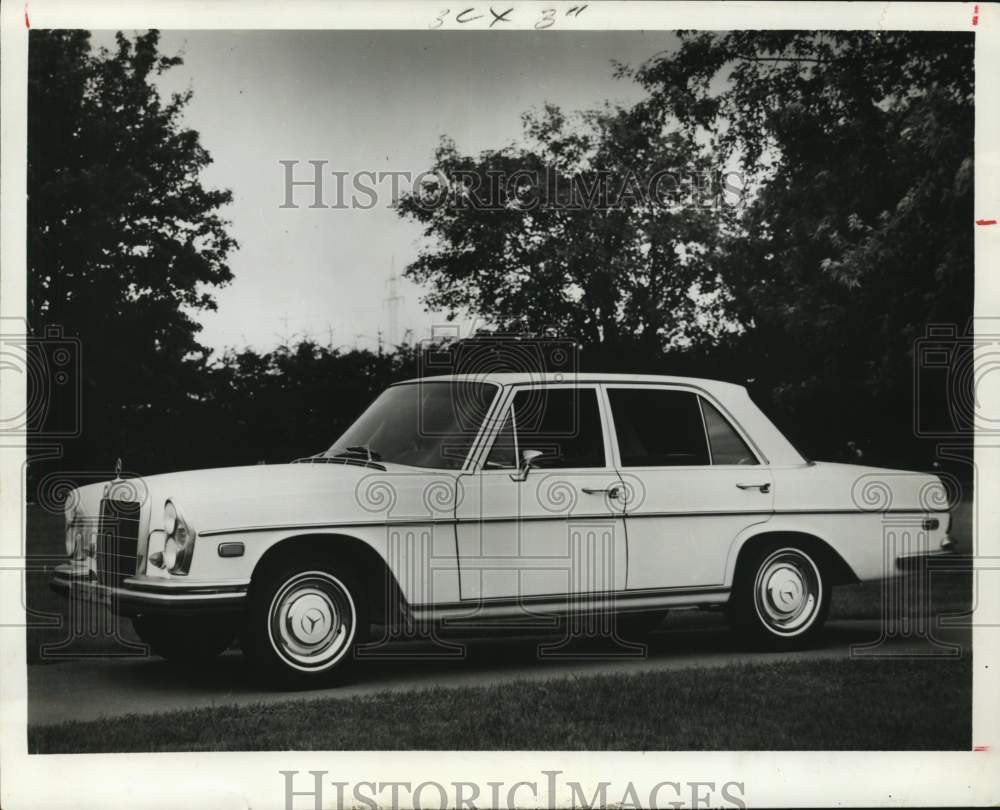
[(699, 393), (511, 391)]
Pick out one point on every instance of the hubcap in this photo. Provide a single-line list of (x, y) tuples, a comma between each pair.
[(311, 621), (788, 592)]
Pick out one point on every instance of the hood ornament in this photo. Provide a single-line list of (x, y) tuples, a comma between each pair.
[(118, 469)]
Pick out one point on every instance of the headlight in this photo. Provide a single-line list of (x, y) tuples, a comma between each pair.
[(179, 546), (74, 533)]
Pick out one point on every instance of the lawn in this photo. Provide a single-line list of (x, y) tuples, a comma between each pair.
[(784, 705)]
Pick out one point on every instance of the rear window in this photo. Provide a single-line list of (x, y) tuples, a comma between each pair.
[(658, 428)]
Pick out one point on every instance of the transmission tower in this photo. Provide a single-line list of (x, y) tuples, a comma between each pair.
[(392, 302)]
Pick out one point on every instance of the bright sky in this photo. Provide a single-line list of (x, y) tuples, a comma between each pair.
[(377, 101)]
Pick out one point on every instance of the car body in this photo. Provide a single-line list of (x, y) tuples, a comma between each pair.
[(474, 498)]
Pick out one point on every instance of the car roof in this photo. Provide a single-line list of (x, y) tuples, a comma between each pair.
[(551, 378)]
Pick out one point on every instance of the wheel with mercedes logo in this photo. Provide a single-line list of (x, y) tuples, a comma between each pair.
[(306, 616), (780, 596)]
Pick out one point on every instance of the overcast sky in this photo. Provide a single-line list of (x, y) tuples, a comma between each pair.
[(377, 101)]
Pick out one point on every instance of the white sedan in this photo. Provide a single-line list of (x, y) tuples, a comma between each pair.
[(489, 498)]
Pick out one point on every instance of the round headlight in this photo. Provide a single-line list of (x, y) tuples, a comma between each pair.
[(170, 550), (178, 547), (169, 518), (72, 538), (72, 532)]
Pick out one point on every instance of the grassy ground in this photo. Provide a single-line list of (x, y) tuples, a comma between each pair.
[(787, 705)]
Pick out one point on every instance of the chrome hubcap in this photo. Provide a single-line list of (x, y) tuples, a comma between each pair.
[(311, 620), (788, 592)]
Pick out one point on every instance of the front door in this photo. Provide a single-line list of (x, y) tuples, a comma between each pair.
[(693, 481), (558, 531)]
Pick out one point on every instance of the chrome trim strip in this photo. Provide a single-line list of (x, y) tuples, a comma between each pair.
[(599, 516), (146, 584), (621, 601)]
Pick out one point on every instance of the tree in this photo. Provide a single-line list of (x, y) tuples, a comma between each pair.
[(584, 232), (859, 233), (124, 241)]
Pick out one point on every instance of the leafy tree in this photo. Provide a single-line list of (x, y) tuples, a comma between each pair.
[(124, 241), (859, 233), (856, 154), (583, 231)]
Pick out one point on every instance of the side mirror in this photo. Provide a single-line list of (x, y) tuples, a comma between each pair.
[(528, 458)]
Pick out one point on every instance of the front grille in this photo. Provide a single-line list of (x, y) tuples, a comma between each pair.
[(117, 541)]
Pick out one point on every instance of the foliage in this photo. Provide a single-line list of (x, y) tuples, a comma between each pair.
[(572, 232), (124, 241), (856, 153), (860, 146)]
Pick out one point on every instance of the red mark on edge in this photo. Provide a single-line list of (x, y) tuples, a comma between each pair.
[(981, 748), (975, 15), (27, 22), (986, 222)]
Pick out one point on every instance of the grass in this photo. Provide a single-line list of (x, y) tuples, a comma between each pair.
[(782, 705)]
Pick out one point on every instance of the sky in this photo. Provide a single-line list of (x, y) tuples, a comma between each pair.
[(362, 101)]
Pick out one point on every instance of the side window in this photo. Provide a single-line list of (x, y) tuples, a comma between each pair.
[(727, 446), (563, 423), (658, 428)]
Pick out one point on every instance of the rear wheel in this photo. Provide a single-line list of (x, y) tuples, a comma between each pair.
[(185, 640), (304, 621), (780, 597)]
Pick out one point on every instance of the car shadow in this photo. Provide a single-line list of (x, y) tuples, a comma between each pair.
[(446, 659)]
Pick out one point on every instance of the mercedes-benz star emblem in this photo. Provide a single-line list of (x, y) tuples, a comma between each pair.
[(312, 618)]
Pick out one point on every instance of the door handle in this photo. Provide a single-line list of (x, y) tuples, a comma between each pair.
[(612, 492), (765, 488)]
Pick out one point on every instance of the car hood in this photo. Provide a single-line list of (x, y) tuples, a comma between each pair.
[(265, 495)]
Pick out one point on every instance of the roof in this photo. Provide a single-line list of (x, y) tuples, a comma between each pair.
[(519, 378)]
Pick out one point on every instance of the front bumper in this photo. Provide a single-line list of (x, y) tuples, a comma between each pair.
[(142, 594)]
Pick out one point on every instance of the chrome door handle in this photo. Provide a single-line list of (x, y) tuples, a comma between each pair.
[(765, 488), (612, 492)]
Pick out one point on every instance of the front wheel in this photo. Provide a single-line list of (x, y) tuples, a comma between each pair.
[(304, 621), (780, 598)]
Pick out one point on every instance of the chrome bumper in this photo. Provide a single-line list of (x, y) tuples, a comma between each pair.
[(943, 558), (142, 594)]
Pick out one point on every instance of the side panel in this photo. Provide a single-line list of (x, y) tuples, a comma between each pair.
[(684, 519), (869, 516), (420, 555)]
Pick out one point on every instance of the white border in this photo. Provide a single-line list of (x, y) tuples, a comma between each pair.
[(243, 780)]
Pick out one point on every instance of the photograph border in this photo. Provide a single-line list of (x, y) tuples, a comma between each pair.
[(769, 778)]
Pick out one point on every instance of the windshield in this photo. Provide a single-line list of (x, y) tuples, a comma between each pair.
[(423, 424)]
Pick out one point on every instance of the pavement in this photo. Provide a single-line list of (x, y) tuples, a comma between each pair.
[(107, 687)]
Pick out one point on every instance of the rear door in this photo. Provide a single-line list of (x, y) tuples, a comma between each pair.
[(694, 484)]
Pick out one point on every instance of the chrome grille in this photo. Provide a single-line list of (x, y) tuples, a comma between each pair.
[(117, 541)]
